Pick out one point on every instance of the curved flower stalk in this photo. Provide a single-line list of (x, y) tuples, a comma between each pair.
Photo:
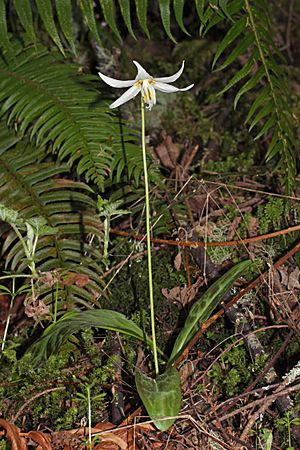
[(161, 396), (145, 84)]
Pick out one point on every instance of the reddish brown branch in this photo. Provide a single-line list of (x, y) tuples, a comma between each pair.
[(139, 237)]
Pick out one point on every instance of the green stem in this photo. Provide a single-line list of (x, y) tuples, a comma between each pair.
[(148, 230), (88, 390), (55, 303), (12, 298)]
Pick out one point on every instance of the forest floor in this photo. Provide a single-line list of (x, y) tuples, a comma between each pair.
[(239, 373)]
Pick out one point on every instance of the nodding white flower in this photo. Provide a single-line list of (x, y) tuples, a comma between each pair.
[(145, 84)]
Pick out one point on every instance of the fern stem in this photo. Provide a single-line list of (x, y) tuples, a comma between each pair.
[(148, 230)]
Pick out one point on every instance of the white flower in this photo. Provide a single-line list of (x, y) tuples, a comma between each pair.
[(145, 84)]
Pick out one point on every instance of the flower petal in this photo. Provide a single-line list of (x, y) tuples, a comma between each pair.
[(172, 78), (128, 95), (142, 73), (116, 83), (164, 87)]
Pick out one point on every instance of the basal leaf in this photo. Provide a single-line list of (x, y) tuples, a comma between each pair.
[(202, 309), (72, 322), (161, 396)]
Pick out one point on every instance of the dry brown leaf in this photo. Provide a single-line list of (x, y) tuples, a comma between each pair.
[(110, 441), (233, 227), (294, 279), (182, 296), (177, 261), (13, 434), (284, 276), (168, 153), (79, 279), (185, 372), (284, 301), (197, 202), (36, 309), (40, 438)]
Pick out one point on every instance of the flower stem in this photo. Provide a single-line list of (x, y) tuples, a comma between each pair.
[(152, 315)]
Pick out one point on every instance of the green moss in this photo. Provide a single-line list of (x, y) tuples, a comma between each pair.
[(270, 215), (232, 373), (59, 409), (129, 292)]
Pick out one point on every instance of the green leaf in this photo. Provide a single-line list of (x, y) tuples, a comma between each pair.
[(64, 13), (8, 215), (241, 48), (4, 39), (141, 11), (258, 102), (269, 124), (72, 322), (202, 309), (4, 289), (245, 70), (236, 29), (214, 15), (109, 15), (125, 10), (164, 6), (224, 8), (262, 113), (24, 11), (249, 85), (200, 8), (87, 7), (178, 10), (161, 396), (46, 12)]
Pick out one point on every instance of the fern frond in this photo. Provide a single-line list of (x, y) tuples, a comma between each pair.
[(59, 107), (33, 187), (251, 34)]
